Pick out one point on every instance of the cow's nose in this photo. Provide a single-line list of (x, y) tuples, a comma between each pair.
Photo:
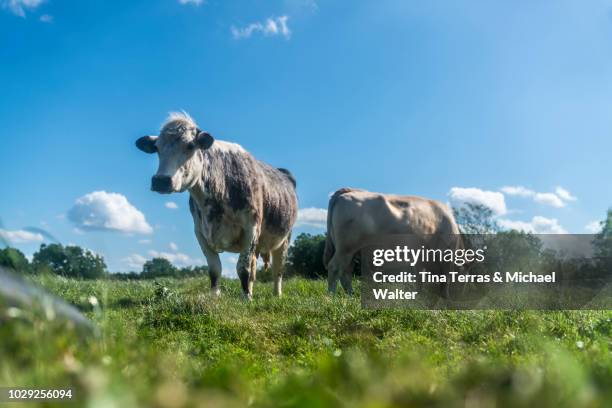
[(161, 184)]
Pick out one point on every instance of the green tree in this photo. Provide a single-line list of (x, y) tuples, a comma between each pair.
[(305, 256), (603, 242), (514, 250), (70, 261), (157, 268), (476, 219), (14, 259), (505, 249), (124, 276), (192, 271)]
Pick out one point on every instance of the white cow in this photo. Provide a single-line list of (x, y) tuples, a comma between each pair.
[(238, 203)]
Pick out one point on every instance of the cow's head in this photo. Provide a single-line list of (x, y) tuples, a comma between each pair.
[(179, 147)]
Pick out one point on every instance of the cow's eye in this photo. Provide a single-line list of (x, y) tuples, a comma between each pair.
[(191, 146)]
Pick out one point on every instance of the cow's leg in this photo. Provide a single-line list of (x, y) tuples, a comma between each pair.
[(278, 260), (247, 262), (339, 267), (252, 272), (266, 260), (246, 273), (332, 278), (346, 279), (214, 264)]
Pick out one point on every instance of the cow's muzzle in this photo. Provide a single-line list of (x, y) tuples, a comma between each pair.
[(161, 184)]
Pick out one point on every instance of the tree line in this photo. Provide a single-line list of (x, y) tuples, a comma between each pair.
[(75, 262), (304, 258)]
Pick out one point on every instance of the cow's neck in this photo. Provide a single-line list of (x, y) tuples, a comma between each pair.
[(219, 168), (202, 192), (209, 186), (197, 193)]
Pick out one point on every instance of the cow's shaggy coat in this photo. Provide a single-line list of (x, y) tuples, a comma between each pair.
[(238, 203)]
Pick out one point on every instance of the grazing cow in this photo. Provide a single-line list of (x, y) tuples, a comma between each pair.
[(238, 203), (354, 216)]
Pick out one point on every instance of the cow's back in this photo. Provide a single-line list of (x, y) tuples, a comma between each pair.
[(355, 216), (280, 205), (236, 191)]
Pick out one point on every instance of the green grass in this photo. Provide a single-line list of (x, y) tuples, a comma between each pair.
[(188, 348)]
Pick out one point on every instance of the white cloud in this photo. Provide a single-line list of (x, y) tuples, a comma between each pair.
[(537, 225), (593, 227), (19, 7), (271, 27), (144, 241), (171, 205), (108, 211), (20, 236), (491, 199), (564, 194), (176, 258), (548, 199), (134, 261), (46, 18), (545, 225), (313, 217), (556, 199), (173, 246), (517, 191), (193, 2)]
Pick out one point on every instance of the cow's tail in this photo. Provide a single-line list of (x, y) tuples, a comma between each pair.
[(330, 248)]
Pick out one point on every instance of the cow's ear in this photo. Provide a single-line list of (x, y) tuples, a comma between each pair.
[(147, 144), (204, 140)]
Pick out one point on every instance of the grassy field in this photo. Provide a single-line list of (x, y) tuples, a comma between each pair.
[(181, 347)]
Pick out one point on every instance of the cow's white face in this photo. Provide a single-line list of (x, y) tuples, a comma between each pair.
[(180, 160)]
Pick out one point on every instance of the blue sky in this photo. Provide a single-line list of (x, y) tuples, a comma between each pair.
[(486, 101)]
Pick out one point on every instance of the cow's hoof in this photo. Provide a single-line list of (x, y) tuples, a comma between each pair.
[(216, 291), (248, 297)]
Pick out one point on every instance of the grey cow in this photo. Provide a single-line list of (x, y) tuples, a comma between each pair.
[(238, 203)]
